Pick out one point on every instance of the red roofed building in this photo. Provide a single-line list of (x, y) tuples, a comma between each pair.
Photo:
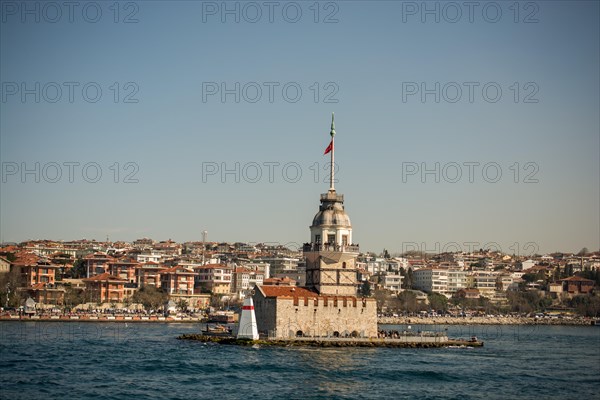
[(148, 274), (577, 285), (43, 293), (97, 263), (289, 311), (467, 293), (123, 269), (177, 280), (34, 269), (106, 288)]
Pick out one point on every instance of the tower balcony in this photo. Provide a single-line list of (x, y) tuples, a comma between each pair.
[(332, 196), (348, 248)]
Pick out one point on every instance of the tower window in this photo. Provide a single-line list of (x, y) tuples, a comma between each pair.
[(344, 240), (318, 239), (331, 239)]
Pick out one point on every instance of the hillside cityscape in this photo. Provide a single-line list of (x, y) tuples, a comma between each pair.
[(192, 279)]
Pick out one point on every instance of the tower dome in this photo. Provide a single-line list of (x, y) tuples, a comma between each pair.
[(331, 225), (331, 214)]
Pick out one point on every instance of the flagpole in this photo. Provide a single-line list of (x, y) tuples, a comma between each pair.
[(331, 170)]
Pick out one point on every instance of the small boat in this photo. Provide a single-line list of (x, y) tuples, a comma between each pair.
[(216, 330), (222, 317)]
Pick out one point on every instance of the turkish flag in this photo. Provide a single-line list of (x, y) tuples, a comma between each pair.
[(329, 148)]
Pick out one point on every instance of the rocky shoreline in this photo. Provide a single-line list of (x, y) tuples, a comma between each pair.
[(501, 320), (335, 342)]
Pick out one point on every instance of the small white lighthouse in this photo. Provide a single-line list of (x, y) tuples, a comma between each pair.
[(247, 328)]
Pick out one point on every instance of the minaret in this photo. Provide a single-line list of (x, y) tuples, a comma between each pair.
[(331, 255)]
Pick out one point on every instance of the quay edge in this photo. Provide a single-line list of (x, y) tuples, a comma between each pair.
[(334, 342)]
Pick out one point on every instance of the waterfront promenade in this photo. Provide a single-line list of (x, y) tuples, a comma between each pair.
[(100, 318), (412, 320), (485, 320)]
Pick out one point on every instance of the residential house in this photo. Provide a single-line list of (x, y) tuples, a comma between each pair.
[(4, 265), (467, 293), (97, 263), (106, 288), (177, 280), (431, 280), (34, 269), (216, 278), (577, 285), (393, 282), (148, 274), (244, 280), (124, 270)]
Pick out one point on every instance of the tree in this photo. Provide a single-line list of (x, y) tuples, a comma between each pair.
[(408, 301), (150, 297), (415, 254), (438, 302), (538, 276), (526, 302), (74, 297), (9, 282), (407, 282), (556, 274), (182, 304), (365, 289), (382, 298), (78, 271)]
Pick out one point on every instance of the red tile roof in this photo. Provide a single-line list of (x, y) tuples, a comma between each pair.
[(576, 278), (26, 258), (9, 249), (176, 269)]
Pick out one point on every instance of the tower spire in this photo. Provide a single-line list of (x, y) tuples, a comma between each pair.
[(331, 169)]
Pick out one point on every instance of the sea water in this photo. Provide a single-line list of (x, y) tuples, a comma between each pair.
[(76, 360)]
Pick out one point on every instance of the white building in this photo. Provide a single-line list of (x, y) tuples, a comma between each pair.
[(393, 282), (431, 280), (262, 267), (215, 277), (244, 281), (457, 279), (525, 265), (151, 257), (485, 282)]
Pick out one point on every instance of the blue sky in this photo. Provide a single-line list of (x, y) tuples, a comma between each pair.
[(162, 119)]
